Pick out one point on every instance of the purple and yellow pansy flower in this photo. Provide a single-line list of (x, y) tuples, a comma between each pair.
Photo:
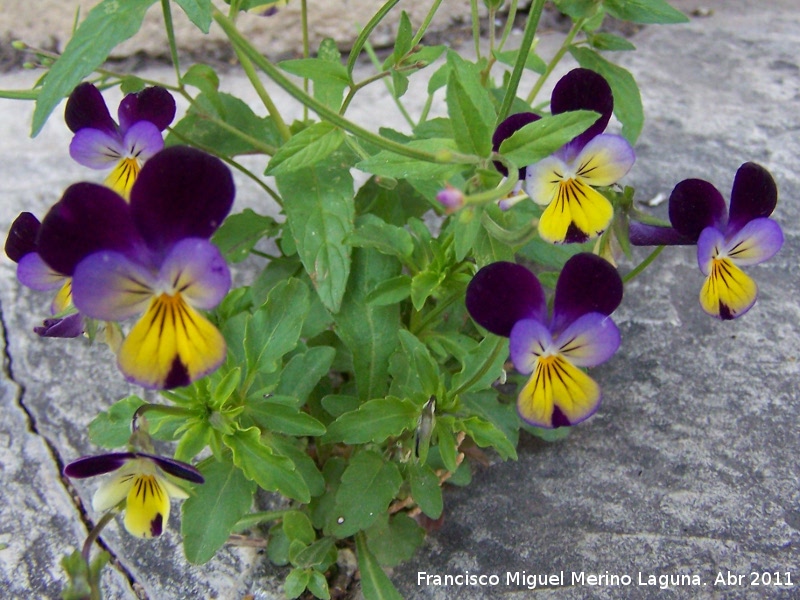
[(34, 273), (101, 143), (508, 300), (726, 239), (564, 183), (141, 481), (151, 256)]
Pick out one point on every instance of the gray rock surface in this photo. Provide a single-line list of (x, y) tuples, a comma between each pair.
[(689, 468)]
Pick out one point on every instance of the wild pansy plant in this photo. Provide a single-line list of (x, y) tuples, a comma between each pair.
[(348, 354), (101, 143), (726, 240)]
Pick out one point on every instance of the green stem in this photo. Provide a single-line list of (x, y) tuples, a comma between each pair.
[(531, 25), (643, 265), (576, 27), (382, 75), (505, 188), (364, 34), (173, 46), (167, 410), (323, 111), (306, 47), (426, 23), (95, 533), (263, 94), (512, 15), (256, 518), (476, 28)]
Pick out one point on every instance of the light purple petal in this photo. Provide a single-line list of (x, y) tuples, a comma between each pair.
[(142, 141), (710, 244), (109, 286), (34, 273), (96, 149), (604, 160), (587, 284), (503, 293), (91, 466), (589, 341), (196, 269), (175, 467), (528, 340), (756, 242), (754, 195)]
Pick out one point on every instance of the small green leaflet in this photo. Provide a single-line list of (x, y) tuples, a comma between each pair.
[(541, 138), (374, 421), (312, 145)]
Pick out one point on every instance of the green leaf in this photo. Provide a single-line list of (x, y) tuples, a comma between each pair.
[(374, 232), (303, 371), (338, 404), (486, 362), (503, 415), (533, 62), (318, 585), (316, 69), (393, 540), (304, 464), (541, 138), (296, 582), (297, 526), (470, 107), (485, 434), (273, 330), (627, 99), (578, 9), (212, 511), (283, 419), (318, 202), (423, 285), (198, 11), (368, 331), (609, 41), (374, 583), (315, 553), (356, 510), (389, 164), (258, 462), (425, 489), (112, 428), (422, 365), (305, 149), (374, 421), (107, 24), (644, 11), (390, 292), (239, 233), (402, 42)]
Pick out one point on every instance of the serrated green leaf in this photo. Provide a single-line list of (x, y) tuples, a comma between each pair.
[(305, 149), (373, 232), (211, 513), (259, 463), (469, 107), (198, 11), (644, 11), (356, 510), (423, 367), (627, 99), (374, 421), (304, 464), (485, 434), (273, 329), (240, 232), (374, 583), (540, 139), (393, 540), (318, 202), (389, 164), (426, 490), (477, 361), (108, 24), (368, 331)]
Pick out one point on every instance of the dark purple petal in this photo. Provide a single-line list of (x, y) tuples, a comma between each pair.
[(175, 467), (154, 104), (503, 293), (21, 238), (582, 89), (505, 130), (87, 219), (754, 195), (90, 466), (587, 284), (181, 192), (641, 234), (87, 108), (694, 205), (66, 327)]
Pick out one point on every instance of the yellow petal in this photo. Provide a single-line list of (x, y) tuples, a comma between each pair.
[(576, 209), (122, 177), (115, 489), (147, 507), (728, 292), (171, 345), (63, 298), (557, 391)]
